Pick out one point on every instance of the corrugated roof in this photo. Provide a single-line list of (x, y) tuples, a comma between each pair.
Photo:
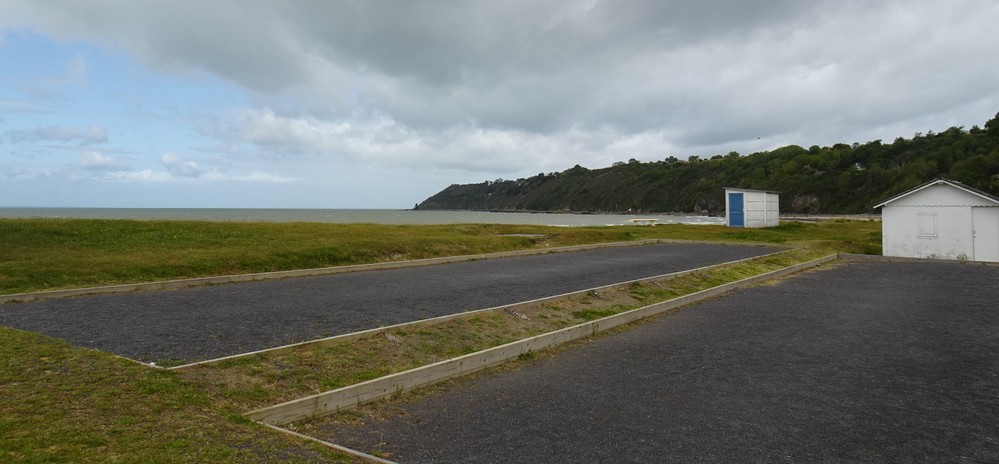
[(938, 181)]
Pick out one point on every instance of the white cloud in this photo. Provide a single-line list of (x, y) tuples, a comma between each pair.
[(384, 142), (150, 176), (57, 87), (19, 173), (77, 69), (21, 106), (486, 88), (178, 167), (91, 135), (140, 176), (94, 161), (264, 177), (691, 69)]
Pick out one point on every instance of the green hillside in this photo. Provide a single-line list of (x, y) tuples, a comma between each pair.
[(837, 179)]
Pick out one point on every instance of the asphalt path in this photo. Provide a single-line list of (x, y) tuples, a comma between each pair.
[(210, 322), (863, 362)]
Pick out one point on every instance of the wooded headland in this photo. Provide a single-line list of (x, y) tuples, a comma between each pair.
[(839, 179)]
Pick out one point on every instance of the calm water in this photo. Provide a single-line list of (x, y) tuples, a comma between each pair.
[(377, 216)]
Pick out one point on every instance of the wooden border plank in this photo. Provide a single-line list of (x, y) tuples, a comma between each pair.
[(237, 278), (324, 342), (350, 396), (903, 259), (343, 449)]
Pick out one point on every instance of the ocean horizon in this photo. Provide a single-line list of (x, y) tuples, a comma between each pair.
[(346, 216)]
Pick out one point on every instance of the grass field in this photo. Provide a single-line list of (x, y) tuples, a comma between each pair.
[(48, 254), (67, 404)]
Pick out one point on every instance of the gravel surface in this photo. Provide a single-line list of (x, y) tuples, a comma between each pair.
[(210, 322), (863, 362)]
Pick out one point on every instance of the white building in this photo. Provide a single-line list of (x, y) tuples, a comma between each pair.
[(941, 219), (751, 208)]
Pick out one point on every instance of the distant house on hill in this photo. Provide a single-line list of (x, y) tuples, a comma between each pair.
[(941, 219), (751, 208)]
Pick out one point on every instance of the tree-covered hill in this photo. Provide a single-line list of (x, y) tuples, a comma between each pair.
[(837, 179)]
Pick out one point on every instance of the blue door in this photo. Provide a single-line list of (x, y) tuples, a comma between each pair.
[(736, 213)]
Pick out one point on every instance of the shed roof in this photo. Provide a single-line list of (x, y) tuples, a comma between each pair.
[(942, 181), (751, 190)]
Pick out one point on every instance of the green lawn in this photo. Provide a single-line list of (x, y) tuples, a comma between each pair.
[(48, 254), (60, 403)]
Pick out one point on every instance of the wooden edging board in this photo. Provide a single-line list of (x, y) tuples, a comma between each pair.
[(324, 342), (351, 396), (229, 279), (343, 449), (902, 259)]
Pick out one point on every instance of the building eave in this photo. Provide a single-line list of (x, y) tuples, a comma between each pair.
[(941, 181), (750, 190)]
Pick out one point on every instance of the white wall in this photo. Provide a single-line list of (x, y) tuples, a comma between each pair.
[(986, 222), (936, 222), (761, 209), (927, 232)]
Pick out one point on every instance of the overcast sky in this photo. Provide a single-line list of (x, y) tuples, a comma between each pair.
[(380, 104)]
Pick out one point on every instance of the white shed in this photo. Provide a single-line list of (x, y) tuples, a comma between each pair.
[(941, 219), (751, 208)]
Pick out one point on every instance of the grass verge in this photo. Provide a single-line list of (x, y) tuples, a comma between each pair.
[(67, 404), (263, 380), (50, 254)]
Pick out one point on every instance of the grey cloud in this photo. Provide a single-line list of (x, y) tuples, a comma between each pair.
[(523, 65), (448, 42), (678, 75), (240, 41), (422, 47)]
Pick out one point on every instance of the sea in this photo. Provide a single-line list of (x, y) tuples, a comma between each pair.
[(344, 216)]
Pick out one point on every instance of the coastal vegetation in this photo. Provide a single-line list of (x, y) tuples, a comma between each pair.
[(837, 179)]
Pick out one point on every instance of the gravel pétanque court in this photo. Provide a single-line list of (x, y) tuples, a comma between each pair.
[(862, 362), (209, 322)]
